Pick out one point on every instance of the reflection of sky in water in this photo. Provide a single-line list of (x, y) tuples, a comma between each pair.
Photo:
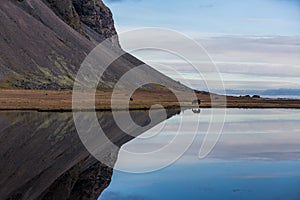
[(257, 157)]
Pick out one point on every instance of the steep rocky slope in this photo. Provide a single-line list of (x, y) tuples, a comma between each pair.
[(44, 42), (92, 19)]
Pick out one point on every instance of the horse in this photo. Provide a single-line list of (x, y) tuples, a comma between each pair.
[(196, 101)]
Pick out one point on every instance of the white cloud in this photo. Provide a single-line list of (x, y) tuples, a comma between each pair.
[(245, 62)]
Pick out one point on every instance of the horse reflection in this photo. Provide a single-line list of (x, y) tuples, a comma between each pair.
[(196, 110)]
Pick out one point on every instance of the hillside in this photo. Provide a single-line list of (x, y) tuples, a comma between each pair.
[(44, 42)]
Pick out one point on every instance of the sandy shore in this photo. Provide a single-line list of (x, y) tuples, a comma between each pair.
[(41, 100)]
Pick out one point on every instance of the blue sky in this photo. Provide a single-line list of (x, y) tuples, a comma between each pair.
[(255, 44), (255, 17)]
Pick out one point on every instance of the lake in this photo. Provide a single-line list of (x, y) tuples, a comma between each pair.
[(256, 157), (43, 157)]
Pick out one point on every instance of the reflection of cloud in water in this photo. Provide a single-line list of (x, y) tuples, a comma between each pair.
[(248, 134)]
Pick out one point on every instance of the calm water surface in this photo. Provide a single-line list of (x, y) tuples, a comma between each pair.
[(256, 157)]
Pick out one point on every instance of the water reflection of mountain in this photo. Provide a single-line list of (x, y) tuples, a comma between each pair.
[(42, 157)]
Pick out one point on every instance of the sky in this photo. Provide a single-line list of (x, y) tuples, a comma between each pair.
[(255, 17), (255, 44)]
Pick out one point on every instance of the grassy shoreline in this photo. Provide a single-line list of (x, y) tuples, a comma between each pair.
[(61, 101)]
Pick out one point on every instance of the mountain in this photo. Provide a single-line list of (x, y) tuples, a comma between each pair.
[(283, 92), (286, 92), (43, 43)]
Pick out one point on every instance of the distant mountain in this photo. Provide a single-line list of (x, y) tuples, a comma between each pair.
[(291, 92), (43, 43), (270, 92)]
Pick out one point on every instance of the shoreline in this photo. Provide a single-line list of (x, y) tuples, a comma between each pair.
[(61, 101)]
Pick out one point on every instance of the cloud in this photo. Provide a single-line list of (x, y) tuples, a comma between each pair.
[(246, 62), (252, 49)]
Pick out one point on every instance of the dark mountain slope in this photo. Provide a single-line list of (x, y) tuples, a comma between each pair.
[(43, 43), (92, 19), (38, 50)]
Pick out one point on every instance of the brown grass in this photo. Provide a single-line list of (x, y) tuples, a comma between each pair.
[(42, 100)]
